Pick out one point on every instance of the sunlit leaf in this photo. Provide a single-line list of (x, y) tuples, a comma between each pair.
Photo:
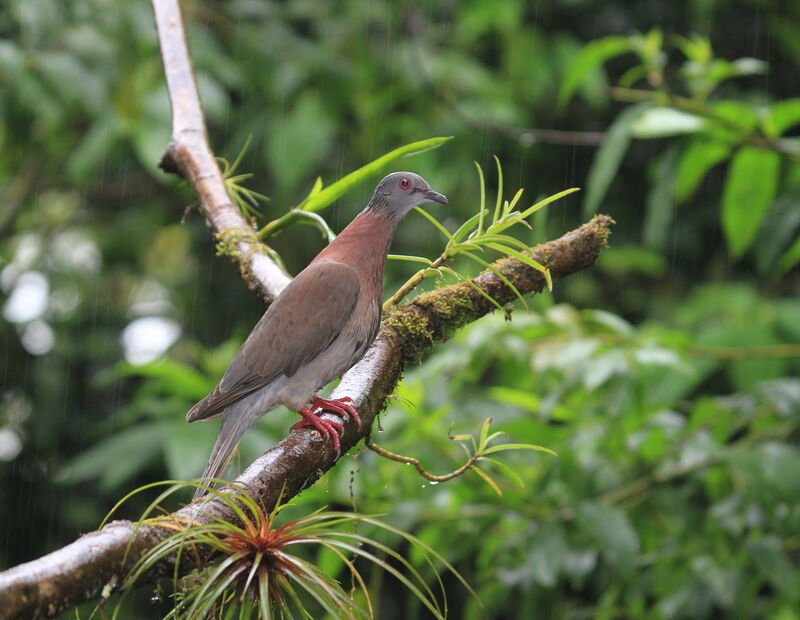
[(319, 200), (697, 159)]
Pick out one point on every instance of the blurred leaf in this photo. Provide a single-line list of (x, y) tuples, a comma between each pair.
[(774, 565), (611, 531), (117, 459), (661, 202), (660, 122), (789, 258), (608, 158), (94, 148), (780, 228), (593, 54), (318, 199), (173, 376), (748, 193), (548, 552), (187, 448), (299, 140), (697, 159)]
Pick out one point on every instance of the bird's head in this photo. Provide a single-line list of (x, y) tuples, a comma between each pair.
[(398, 192)]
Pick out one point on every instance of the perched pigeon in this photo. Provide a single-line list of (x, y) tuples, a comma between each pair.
[(318, 327)]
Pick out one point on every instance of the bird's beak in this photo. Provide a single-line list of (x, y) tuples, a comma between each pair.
[(435, 196)]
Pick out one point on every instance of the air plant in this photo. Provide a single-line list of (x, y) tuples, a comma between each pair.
[(475, 236), (254, 570)]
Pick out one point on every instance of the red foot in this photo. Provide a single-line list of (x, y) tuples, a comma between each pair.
[(339, 406), (326, 428)]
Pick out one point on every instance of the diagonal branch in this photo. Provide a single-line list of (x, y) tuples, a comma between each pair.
[(97, 563), (189, 155), (94, 565)]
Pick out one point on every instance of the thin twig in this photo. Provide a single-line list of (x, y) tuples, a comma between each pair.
[(409, 460)]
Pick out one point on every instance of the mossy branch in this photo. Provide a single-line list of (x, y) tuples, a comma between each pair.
[(93, 564)]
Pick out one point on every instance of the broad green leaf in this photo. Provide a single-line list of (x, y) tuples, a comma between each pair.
[(747, 195), (321, 199), (590, 58), (781, 116), (662, 122), (608, 158), (697, 159)]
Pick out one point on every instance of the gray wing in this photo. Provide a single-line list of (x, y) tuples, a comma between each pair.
[(301, 323)]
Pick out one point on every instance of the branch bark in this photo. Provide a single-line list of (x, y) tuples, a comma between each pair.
[(94, 565)]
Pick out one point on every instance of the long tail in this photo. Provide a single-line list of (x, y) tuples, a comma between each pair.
[(233, 427)]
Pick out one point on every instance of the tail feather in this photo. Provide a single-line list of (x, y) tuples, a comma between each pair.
[(233, 427)]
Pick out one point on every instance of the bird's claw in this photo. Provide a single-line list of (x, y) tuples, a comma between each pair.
[(326, 427), (340, 406)]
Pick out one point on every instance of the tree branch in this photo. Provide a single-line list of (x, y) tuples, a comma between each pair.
[(189, 155), (95, 565), (80, 571)]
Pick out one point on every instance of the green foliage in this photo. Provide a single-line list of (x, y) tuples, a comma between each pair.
[(475, 235), (749, 134)]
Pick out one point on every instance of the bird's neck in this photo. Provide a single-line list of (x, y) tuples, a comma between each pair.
[(363, 245)]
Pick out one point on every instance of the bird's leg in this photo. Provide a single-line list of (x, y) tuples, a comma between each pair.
[(340, 406), (326, 428)]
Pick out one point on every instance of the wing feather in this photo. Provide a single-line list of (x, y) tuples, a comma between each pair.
[(302, 322)]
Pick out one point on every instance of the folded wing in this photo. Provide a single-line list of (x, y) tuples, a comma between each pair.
[(301, 323)]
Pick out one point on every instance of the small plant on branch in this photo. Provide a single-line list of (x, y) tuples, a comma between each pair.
[(481, 449), (255, 570), (480, 232), (246, 199)]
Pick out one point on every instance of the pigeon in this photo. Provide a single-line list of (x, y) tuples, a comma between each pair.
[(319, 326)]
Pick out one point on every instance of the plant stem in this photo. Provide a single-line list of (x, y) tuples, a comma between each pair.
[(408, 460), (276, 226), (413, 282)]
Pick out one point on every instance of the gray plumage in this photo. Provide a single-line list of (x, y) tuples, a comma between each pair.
[(320, 325)]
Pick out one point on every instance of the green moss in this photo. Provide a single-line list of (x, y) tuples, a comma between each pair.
[(453, 307), (412, 332), (228, 241)]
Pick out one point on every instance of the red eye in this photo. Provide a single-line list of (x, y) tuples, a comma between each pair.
[(405, 183)]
